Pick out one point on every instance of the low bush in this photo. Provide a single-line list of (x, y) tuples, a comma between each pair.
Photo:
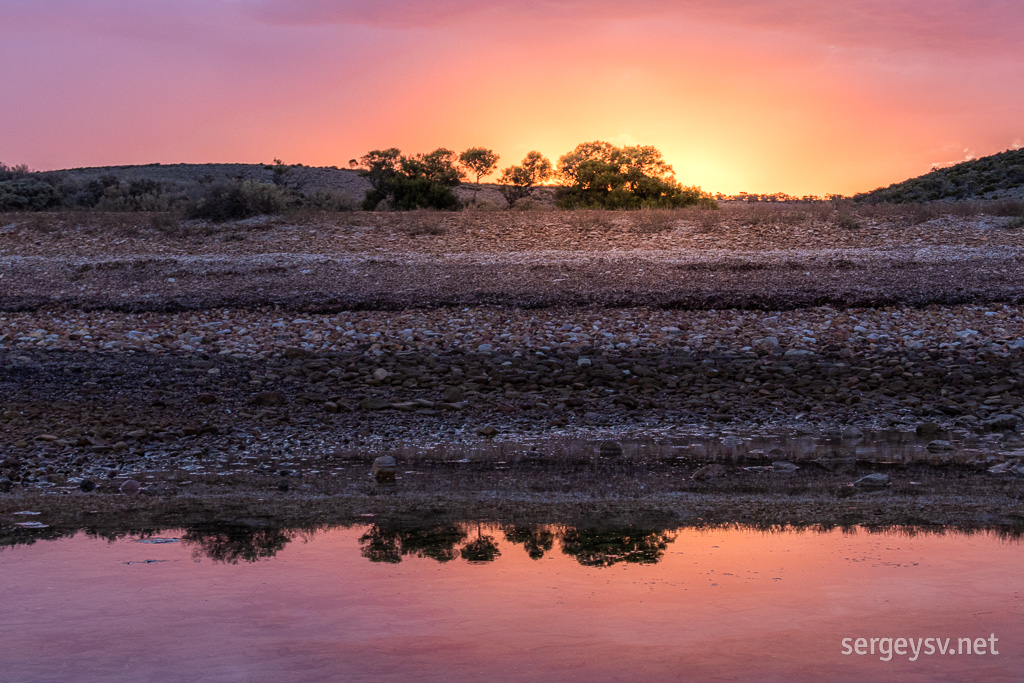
[(226, 201), (27, 194), (1007, 207)]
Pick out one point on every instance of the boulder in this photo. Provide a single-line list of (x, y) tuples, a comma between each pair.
[(939, 446), (853, 432), (610, 449), (1001, 423), (384, 469), (784, 467), (928, 429)]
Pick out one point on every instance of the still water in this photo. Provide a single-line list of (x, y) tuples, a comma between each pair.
[(471, 602)]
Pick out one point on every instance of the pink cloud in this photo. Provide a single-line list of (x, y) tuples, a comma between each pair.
[(942, 25)]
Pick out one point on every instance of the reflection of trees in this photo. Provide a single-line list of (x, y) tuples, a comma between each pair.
[(389, 543), (482, 549), (605, 547), (231, 543), (536, 540), (381, 544)]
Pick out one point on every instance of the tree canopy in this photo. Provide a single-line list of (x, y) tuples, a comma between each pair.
[(479, 161), (600, 175), (518, 182), (411, 182)]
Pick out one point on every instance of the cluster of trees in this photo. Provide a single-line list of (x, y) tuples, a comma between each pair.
[(602, 176), (426, 181), (776, 197), (594, 175)]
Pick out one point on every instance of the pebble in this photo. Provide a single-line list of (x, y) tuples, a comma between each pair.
[(130, 487), (875, 480)]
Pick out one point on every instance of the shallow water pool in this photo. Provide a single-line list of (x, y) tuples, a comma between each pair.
[(479, 602)]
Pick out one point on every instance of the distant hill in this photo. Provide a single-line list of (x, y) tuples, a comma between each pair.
[(299, 177), (992, 177), (302, 177)]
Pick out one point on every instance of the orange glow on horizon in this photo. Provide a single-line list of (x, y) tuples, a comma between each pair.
[(785, 96)]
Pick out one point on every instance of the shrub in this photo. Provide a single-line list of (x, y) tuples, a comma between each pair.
[(327, 200), (407, 183), (235, 200), (1007, 207), (848, 221), (518, 182), (13, 172), (27, 193)]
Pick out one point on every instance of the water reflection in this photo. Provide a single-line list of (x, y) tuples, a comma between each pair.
[(632, 602), (536, 540), (390, 542), (234, 543), (603, 548)]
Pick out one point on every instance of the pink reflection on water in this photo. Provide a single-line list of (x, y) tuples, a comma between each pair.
[(721, 604)]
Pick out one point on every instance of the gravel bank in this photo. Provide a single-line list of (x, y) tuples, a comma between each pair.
[(127, 362)]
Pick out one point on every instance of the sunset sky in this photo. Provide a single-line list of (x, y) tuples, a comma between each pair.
[(798, 96)]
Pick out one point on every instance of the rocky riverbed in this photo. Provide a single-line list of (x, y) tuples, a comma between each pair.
[(195, 387)]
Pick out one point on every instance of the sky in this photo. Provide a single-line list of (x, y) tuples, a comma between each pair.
[(795, 96)]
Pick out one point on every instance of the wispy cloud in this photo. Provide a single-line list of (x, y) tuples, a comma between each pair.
[(943, 25)]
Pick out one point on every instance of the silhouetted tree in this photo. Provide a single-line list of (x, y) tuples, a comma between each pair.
[(480, 162), (600, 175), (518, 182), (420, 181)]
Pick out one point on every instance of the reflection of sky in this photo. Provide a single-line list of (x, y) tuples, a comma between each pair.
[(780, 95), (737, 604)]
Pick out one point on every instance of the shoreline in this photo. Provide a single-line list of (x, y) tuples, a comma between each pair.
[(228, 396)]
